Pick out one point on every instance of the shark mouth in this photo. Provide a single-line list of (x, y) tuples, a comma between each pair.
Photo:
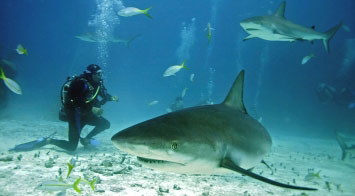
[(156, 161), (252, 29)]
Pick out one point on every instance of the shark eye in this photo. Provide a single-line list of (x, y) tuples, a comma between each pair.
[(174, 146)]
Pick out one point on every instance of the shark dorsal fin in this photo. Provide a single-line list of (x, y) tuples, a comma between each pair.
[(234, 98), (280, 12)]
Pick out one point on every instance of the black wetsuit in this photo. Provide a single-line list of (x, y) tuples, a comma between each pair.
[(79, 113)]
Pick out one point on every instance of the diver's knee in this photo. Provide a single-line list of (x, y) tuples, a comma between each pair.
[(72, 147), (106, 124)]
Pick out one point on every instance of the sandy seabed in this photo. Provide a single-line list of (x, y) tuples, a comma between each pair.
[(118, 173)]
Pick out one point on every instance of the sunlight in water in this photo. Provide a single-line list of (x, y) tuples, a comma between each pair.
[(104, 20), (188, 36)]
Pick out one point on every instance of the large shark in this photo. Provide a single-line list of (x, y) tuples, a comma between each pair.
[(93, 37), (209, 139), (277, 28)]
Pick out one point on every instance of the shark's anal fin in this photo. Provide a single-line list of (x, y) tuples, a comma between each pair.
[(280, 12), (234, 98), (228, 164)]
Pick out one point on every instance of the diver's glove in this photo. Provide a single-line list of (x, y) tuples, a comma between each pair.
[(97, 111), (114, 98)]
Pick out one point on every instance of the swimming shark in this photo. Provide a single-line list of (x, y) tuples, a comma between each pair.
[(93, 37), (209, 139), (277, 28)]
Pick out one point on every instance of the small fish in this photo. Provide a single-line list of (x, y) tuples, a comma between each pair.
[(56, 185), (12, 85), (351, 105), (173, 69), (153, 102), (307, 58), (209, 32), (184, 92), (311, 176), (192, 76), (21, 50), (91, 183), (132, 11), (71, 165)]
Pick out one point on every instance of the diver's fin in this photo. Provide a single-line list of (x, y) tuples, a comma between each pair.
[(28, 146), (227, 163)]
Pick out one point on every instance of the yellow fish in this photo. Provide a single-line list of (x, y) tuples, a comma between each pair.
[(153, 102), (132, 11), (171, 71), (184, 92), (12, 85), (209, 32), (21, 50)]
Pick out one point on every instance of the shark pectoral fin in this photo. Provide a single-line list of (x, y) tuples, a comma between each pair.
[(249, 37), (229, 164)]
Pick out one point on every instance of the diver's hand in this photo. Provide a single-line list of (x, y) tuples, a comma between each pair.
[(97, 111), (114, 98)]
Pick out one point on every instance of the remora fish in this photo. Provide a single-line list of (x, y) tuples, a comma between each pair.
[(276, 28), (209, 139), (93, 37)]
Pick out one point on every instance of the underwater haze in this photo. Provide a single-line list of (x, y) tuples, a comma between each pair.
[(279, 91)]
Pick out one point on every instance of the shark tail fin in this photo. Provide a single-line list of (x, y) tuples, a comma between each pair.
[(342, 146), (234, 98), (329, 35), (130, 40)]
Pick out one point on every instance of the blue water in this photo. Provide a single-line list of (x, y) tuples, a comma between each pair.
[(277, 87)]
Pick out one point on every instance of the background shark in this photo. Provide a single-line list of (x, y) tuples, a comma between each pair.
[(93, 37), (276, 28), (210, 139)]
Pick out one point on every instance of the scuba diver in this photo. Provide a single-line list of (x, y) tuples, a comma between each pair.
[(326, 93), (178, 104), (342, 97), (80, 106)]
